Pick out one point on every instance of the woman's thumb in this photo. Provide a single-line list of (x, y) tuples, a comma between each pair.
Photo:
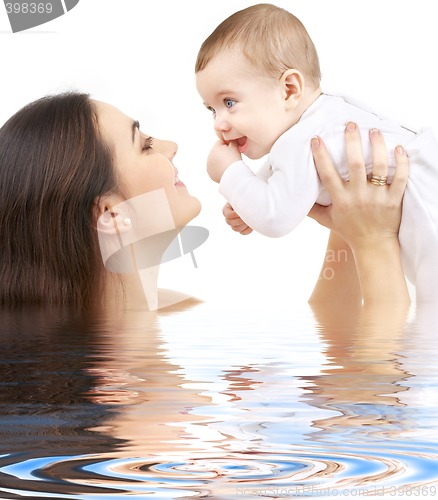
[(320, 214)]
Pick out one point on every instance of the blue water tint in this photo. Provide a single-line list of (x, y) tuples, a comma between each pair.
[(201, 402), (28, 469)]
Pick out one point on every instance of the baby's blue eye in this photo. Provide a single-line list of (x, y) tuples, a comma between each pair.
[(229, 103), (212, 110)]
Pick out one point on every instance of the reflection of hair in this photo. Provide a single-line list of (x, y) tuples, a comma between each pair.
[(47, 387), (53, 166), (271, 38)]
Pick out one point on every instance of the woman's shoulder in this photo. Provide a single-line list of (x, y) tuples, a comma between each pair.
[(173, 300)]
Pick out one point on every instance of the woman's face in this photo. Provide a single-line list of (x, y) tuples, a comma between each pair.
[(144, 163)]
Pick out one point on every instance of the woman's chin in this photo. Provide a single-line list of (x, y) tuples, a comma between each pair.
[(198, 208), (192, 211)]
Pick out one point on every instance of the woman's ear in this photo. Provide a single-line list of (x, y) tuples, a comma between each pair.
[(292, 83), (105, 203), (107, 216)]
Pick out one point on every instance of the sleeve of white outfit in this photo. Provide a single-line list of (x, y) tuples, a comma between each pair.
[(274, 204), (265, 171)]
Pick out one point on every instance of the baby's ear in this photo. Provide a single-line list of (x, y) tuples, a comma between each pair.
[(292, 83)]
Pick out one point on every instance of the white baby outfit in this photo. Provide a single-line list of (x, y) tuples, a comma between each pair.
[(276, 199)]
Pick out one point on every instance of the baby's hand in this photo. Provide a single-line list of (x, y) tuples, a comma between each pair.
[(221, 156), (233, 220)]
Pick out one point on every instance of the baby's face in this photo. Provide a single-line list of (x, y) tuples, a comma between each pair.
[(248, 107)]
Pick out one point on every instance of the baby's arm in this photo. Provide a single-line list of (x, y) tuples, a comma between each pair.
[(232, 218), (221, 156), (278, 198)]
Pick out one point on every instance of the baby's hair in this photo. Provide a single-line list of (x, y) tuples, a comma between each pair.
[(271, 38)]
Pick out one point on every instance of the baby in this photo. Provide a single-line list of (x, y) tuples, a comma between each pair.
[(259, 74)]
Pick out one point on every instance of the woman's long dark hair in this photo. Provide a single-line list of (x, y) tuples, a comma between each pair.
[(53, 167)]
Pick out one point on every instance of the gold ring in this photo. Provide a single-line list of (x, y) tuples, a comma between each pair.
[(379, 180)]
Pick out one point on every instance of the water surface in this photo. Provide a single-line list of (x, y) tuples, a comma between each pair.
[(213, 403)]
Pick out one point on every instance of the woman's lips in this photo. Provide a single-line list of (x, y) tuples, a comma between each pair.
[(242, 144)]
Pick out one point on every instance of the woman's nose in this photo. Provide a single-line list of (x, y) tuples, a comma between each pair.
[(166, 148)]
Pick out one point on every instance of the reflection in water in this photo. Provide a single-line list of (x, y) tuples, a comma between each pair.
[(363, 378), (201, 403), (43, 380)]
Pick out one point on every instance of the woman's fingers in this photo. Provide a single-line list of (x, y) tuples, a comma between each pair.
[(356, 167), (398, 185), (328, 175), (361, 212), (330, 180), (379, 152)]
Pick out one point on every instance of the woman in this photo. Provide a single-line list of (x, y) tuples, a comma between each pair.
[(62, 208), (65, 161)]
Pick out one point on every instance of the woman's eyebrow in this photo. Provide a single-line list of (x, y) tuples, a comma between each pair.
[(134, 127)]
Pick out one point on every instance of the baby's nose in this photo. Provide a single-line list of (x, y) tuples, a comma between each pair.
[(221, 125)]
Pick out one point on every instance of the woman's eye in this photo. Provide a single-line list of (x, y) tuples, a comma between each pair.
[(229, 103), (148, 144)]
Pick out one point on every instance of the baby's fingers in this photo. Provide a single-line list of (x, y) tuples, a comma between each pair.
[(246, 230), (238, 225), (228, 212), (234, 221)]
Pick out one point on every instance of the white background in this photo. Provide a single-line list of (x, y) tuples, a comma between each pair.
[(139, 55)]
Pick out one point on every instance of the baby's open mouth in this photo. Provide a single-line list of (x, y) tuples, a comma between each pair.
[(178, 182), (241, 144)]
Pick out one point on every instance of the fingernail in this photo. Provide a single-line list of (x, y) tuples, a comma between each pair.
[(399, 150), (351, 127), (315, 142), (374, 131)]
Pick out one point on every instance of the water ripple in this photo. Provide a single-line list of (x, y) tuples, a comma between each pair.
[(174, 476)]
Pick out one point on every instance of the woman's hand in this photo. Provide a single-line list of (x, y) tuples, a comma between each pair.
[(367, 216), (361, 213)]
